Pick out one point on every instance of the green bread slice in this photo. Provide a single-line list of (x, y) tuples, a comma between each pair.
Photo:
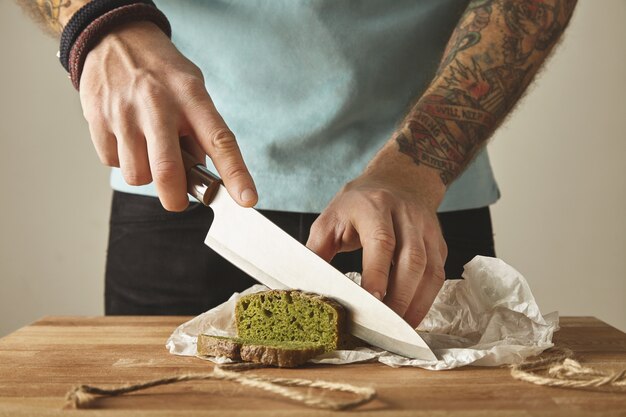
[(267, 352), (291, 316)]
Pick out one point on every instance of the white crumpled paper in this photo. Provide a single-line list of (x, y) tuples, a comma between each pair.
[(490, 318)]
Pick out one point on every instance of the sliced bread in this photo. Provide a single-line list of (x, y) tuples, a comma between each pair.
[(281, 354)]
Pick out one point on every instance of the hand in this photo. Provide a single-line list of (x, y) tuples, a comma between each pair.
[(140, 95), (392, 216)]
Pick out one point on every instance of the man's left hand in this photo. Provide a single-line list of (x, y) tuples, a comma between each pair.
[(393, 218)]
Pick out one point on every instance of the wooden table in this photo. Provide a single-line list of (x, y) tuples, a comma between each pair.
[(40, 362)]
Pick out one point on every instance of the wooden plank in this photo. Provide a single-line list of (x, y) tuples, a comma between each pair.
[(40, 362)]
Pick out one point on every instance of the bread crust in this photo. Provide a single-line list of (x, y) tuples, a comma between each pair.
[(268, 354), (278, 356), (208, 345)]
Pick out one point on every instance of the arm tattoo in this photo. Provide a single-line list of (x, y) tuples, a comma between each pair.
[(52, 15), (491, 57)]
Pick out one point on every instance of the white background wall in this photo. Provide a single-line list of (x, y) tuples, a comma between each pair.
[(559, 161)]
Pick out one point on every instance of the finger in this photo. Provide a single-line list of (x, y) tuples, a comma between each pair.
[(322, 238), (133, 156), (105, 144), (220, 144), (191, 146), (166, 163), (379, 242), (428, 287), (408, 269)]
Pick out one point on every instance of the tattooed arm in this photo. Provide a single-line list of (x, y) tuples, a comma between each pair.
[(140, 95), (390, 209), (52, 15), (491, 58)]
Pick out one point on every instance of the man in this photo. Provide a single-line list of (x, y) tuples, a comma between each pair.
[(318, 94)]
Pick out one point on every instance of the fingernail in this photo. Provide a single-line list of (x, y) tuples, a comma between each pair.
[(377, 295), (248, 195)]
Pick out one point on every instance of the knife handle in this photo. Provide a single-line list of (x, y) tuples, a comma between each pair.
[(202, 184)]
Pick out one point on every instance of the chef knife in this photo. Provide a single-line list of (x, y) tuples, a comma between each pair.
[(257, 246)]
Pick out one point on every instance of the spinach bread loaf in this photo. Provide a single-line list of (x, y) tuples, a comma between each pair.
[(291, 316), (282, 328)]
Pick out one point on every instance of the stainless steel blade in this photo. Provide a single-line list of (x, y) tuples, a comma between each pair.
[(267, 253)]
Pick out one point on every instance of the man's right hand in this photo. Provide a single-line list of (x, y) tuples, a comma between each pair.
[(140, 95)]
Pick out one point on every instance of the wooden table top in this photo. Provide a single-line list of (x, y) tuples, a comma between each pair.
[(41, 362)]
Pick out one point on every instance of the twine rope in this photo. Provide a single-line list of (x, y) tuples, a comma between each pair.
[(558, 369), (82, 396), (555, 368)]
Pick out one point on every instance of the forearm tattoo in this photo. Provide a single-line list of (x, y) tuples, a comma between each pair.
[(52, 15), (489, 61)]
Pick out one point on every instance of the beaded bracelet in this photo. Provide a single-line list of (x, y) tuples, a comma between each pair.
[(101, 26), (82, 18)]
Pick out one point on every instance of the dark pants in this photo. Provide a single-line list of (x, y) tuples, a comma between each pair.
[(157, 262)]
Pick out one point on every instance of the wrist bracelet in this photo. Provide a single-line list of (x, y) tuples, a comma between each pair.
[(97, 29), (82, 18)]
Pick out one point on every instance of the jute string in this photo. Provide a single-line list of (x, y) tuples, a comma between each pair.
[(556, 368), (83, 396)]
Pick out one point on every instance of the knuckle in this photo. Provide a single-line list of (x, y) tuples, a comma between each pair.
[(438, 277), (124, 108), (400, 303), (382, 238), (317, 229), (321, 225), (93, 116), (416, 258), (223, 140), (150, 91), (192, 85), (122, 129), (165, 170), (190, 70), (380, 197), (152, 96), (235, 171), (196, 72)]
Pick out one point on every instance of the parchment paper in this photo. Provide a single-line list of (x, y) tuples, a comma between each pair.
[(489, 318)]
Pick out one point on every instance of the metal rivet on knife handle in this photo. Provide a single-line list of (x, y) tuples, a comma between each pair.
[(202, 184)]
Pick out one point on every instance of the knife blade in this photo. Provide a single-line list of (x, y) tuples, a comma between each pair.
[(257, 246)]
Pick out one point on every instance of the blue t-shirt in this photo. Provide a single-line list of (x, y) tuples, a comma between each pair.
[(313, 89)]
